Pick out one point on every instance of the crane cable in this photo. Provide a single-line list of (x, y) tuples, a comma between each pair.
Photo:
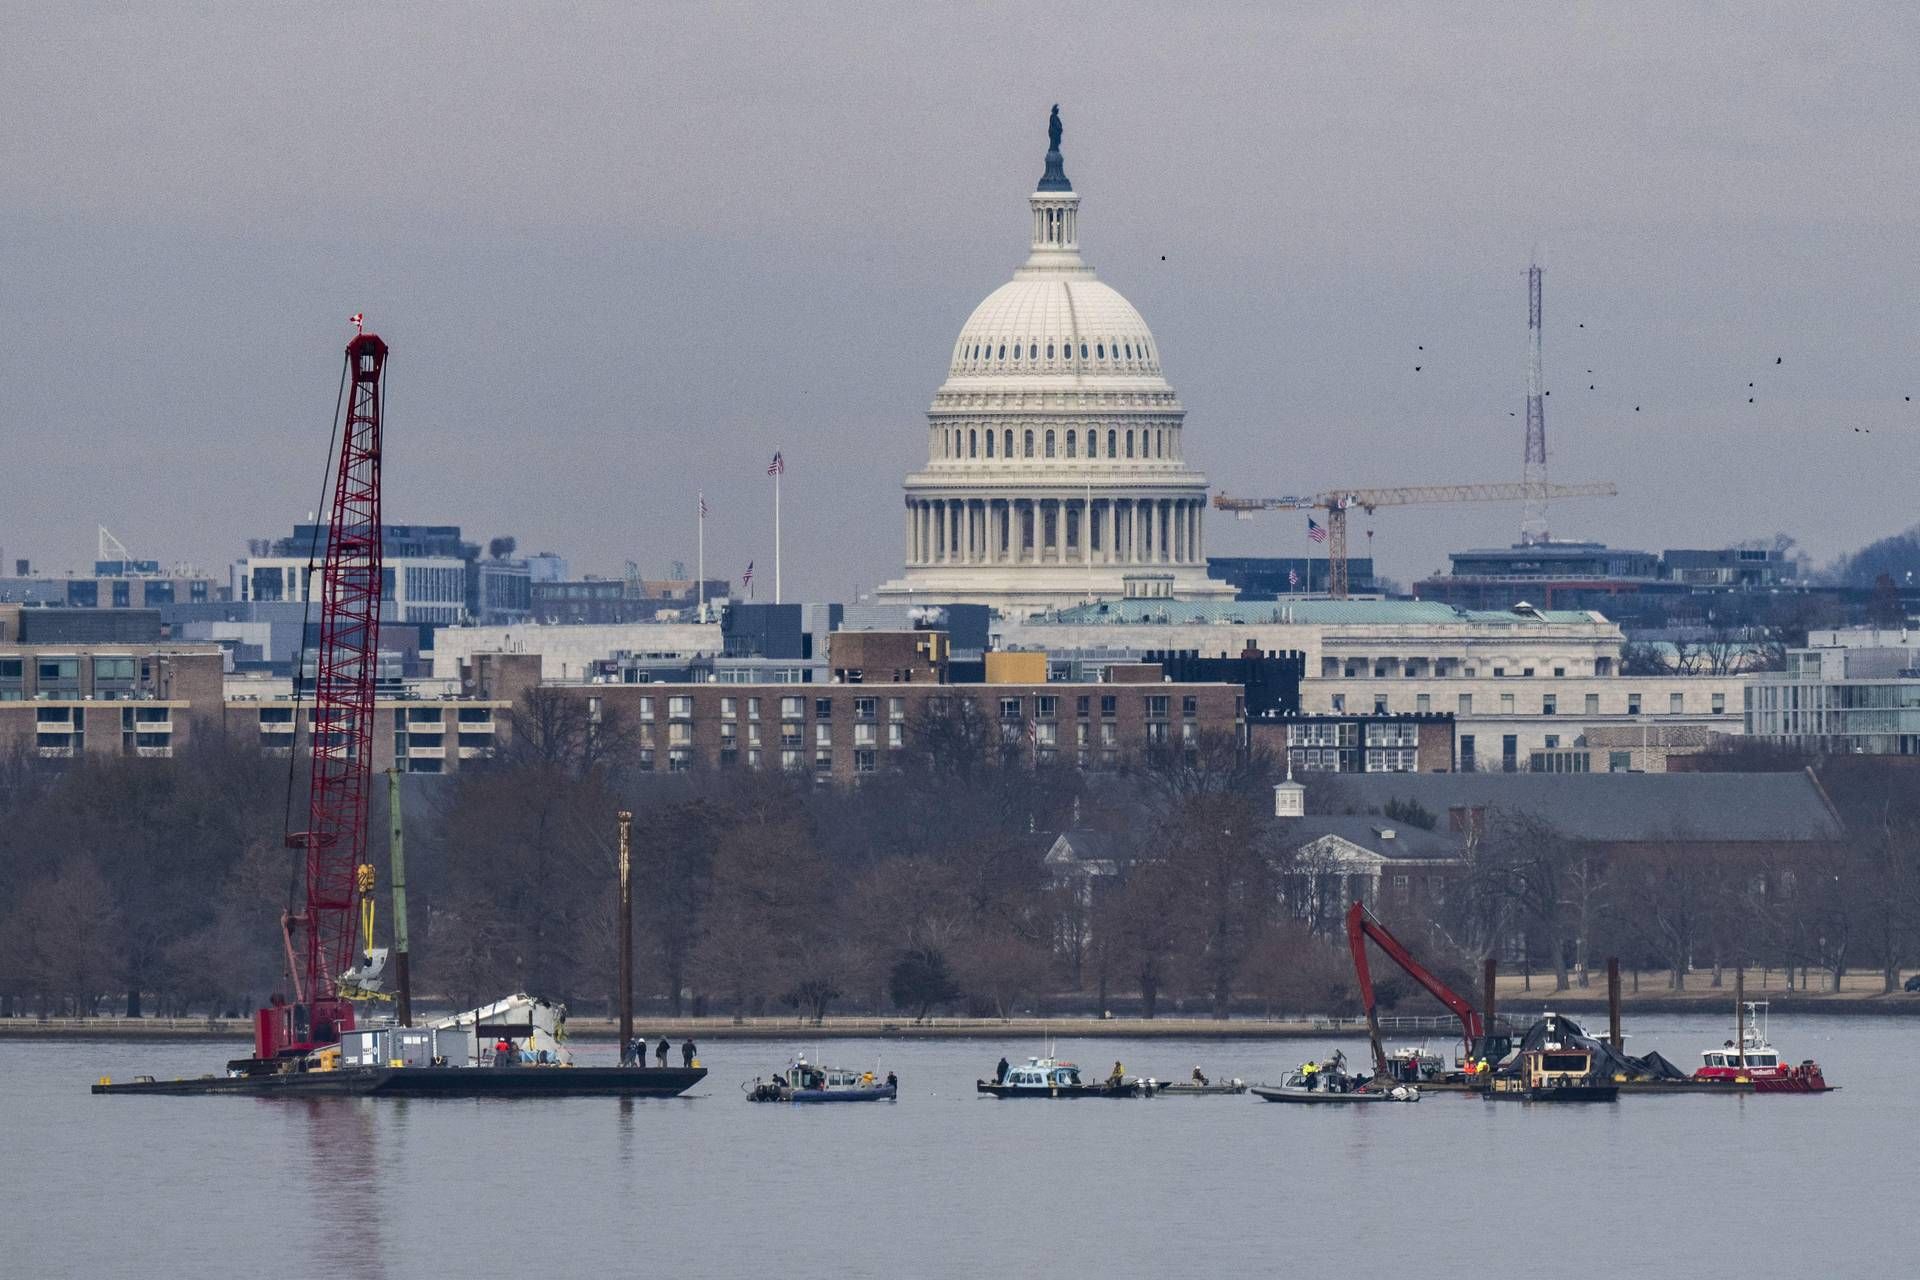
[(306, 608)]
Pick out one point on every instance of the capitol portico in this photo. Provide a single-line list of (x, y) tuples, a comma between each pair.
[(1054, 471)]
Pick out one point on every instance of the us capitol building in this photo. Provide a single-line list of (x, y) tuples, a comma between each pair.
[(1054, 471)]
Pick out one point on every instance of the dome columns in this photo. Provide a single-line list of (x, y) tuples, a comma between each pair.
[(1065, 529)]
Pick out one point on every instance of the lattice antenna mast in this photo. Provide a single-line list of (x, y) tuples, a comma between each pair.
[(1533, 526)]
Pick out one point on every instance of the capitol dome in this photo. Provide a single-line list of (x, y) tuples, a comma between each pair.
[(1054, 472)]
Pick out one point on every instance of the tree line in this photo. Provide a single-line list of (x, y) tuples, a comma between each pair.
[(157, 885)]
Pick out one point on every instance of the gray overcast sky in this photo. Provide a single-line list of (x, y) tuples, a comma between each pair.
[(625, 252)]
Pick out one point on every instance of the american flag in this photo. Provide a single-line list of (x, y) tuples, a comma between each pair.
[(746, 579), (1293, 577), (1316, 530), (703, 506), (778, 466), (358, 320)]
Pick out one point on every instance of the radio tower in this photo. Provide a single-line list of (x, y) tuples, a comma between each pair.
[(1534, 524)]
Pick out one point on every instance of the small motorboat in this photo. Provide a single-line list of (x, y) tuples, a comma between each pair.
[(1195, 1089), (1298, 1088), (1749, 1059), (1052, 1078), (804, 1082)]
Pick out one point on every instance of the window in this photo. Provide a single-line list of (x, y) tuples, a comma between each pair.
[(680, 707), (1049, 443), (823, 761), (1466, 704), (1129, 444), (989, 444), (1593, 704), (1156, 734), (896, 735), (1466, 753), (1108, 705), (1379, 704), (1619, 761), (1029, 444), (1112, 436), (822, 735), (823, 708), (1189, 705), (1549, 704), (729, 708), (1081, 705), (1070, 445), (865, 761), (1423, 703), (1339, 702), (1506, 704), (1676, 703), (1633, 704), (866, 708), (791, 760), (792, 708), (1509, 753), (896, 709), (1553, 740), (1049, 707), (1108, 734), (646, 707), (1719, 703), (1157, 706)]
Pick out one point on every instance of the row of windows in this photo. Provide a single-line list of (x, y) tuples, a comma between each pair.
[(977, 354), (1549, 704), (1153, 442)]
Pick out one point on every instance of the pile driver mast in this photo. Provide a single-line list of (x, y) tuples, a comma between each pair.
[(1337, 502), (1474, 1027), (334, 844)]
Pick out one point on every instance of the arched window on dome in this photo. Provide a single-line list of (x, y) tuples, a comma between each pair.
[(1112, 439), (1159, 443), (1083, 351), (1029, 443), (1129, 351), (1100, 351), (1033, 349), (1129, 443), (989, 442), (1049, 443), (1003, 351), (1049, 351), (1145, 352), (1008, 451), (1070, 445), (973, 443)]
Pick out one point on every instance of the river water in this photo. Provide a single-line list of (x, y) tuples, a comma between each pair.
[(948, 1184)]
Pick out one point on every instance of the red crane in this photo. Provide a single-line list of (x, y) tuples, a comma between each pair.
[(1361, 925), (334, 844)]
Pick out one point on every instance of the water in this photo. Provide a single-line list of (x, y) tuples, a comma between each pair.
[(947, 1184)]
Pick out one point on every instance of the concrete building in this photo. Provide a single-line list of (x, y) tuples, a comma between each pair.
[(1055, 467), (570, 652), (1851, 692), (417, 735), (1574, 575), (1397, 743), (1516, 681), (424, 571), (64, 701)]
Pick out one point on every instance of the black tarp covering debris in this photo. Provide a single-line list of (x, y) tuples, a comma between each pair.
[(1557, 1028)]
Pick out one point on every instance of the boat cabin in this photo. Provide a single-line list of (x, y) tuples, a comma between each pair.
[(1043, 1073)]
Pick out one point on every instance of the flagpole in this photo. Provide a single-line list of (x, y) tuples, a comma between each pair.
[(776, 532), (700, 559)]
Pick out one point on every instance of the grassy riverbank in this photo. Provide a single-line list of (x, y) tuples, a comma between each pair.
[(1859, 995)]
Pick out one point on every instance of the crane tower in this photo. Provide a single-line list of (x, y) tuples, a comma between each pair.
[(334, 845), (1533, 527)]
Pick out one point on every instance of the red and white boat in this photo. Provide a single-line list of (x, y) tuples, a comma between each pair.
[(1749, 1058)]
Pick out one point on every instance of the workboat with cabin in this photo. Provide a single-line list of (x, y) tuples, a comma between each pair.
[(514, 1047), (1051, 1078), (802, 1081), (1750, 1059), (1557, 1062)]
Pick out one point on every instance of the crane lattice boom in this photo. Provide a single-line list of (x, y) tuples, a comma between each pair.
[(335, 841), (1337, 502)]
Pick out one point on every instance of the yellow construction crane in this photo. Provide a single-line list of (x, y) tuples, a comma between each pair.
[(1337, 502)]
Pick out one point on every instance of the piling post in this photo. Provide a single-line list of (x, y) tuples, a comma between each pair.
[(1489, 972), (397, 872), (1614, 1035), (626, 932)]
